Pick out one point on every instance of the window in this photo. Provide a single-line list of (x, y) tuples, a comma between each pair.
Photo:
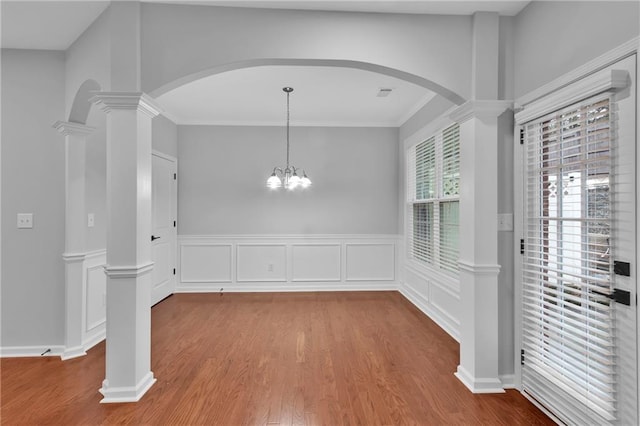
[(433, 191)]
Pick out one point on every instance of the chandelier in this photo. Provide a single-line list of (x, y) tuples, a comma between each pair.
[(287, 177)]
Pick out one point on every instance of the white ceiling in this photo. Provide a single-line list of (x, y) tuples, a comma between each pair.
[(322, 96)]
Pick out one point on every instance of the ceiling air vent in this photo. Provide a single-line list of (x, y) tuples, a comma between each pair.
[(384, 92)]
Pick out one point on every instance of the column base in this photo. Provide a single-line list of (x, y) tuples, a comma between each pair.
[(126, 393), (479, 384)]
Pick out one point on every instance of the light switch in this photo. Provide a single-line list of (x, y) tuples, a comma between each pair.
[(25, 220), (91, 220)]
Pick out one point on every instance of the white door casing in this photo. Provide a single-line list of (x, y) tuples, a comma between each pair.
[(623, 218), (164, 237)]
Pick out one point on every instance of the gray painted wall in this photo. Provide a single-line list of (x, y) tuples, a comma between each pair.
[(223, 172), (32, 182), (555, 37), (164, 134), (96, 180)]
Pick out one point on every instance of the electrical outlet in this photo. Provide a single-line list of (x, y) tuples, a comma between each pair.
[(91, 220), (25, 220), (270, 267)]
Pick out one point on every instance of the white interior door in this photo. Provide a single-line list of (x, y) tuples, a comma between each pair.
[(163, 245), (579, 346)]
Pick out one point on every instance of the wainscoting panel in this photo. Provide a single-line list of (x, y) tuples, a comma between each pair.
[(435, 294), (96, 297), (95, 290), (370, 262), (205, 263), (286, 263), (261, 263), (316, 262)]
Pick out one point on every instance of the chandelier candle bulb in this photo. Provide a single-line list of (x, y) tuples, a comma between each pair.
[(287, 176)]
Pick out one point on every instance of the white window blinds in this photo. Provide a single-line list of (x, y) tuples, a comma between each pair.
[(433, 183), (569, 362)]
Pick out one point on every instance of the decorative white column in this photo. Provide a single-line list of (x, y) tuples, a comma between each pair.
[(128, 354), (479, 267), (75, 243)]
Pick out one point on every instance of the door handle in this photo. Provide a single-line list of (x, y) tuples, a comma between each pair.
[(153, 238), (620, 296)]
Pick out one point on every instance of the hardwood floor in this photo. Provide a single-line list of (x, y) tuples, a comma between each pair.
[(362, 358)]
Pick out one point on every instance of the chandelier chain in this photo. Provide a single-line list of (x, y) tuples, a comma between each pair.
[(288, 93)]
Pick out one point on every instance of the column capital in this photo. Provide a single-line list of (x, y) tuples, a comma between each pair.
[(482, 109), (109, 101), (73, 129)]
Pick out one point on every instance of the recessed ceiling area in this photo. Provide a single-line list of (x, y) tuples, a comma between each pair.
[(323, 96)]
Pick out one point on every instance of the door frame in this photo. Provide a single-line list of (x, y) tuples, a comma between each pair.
[(174, 196), (548, 91)]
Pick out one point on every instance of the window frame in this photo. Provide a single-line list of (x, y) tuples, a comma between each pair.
[(436, 260)]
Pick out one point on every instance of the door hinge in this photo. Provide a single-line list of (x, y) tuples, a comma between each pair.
[(521, 136), (521, 356), (521, 245), (174, 223), (174, 271), (175, 176)]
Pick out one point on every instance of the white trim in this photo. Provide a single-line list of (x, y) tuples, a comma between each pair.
[(584, 88), (541, 408), (126, 393), (479, 384), (480, 109), (508, 381), (31, 351), (424, 133), (251, 280), (164, 156), (346, 253), (95, 339), (446, 281), (109, 101), (74, 129), (479, 269), (311, 280), (280, 237), (270, 287), (75, 352), (593, 66), (128, 271), (451, 325)]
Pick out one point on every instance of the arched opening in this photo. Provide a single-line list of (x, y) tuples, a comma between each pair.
[(81, 105), (403, 75)]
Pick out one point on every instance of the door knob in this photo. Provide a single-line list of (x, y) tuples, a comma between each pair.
[(153, 238)]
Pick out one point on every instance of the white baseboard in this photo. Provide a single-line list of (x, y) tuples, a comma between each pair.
[(95, 339), (284, 288), (31, 351), (479, 384), (75, 352), (508, 381), (423, 304), (126, 393)]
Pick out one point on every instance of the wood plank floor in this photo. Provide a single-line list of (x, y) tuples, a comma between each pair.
[(362, 358)]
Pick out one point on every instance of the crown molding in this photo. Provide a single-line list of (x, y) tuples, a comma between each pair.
[(75, 129), (109, 101), (480, 109)]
